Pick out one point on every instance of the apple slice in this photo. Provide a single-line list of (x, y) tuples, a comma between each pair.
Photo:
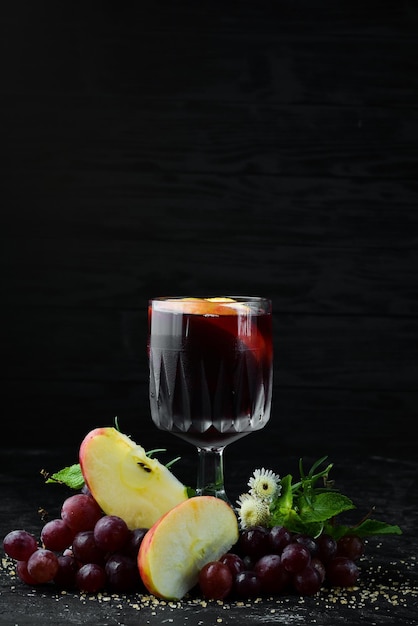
[(175, 549), (124, 481)]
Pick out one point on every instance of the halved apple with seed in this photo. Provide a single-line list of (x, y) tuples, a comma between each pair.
[(124, 481), (175, 549)]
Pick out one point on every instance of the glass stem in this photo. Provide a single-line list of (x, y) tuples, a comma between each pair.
[(210, 473)]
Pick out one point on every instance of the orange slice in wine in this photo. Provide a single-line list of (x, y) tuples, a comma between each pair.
[(204, 306)]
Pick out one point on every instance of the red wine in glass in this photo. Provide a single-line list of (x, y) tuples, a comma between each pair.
[(211, 370)]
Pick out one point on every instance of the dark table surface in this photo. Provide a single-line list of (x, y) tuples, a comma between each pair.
[(386, 593)]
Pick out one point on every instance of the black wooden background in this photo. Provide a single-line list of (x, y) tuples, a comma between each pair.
[(235, 147)]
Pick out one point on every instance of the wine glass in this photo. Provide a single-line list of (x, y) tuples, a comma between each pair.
[(211, 372)]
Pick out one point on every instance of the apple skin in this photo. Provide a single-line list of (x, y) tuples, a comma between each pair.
[(182, 541), (124, 481)]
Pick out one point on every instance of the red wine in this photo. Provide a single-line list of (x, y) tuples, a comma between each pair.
[(210, 367)]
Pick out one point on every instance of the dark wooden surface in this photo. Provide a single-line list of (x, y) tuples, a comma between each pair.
[(267, 148)]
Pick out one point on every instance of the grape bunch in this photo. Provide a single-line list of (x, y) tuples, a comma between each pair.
[(275, 561), (83, 550), (89, 551)]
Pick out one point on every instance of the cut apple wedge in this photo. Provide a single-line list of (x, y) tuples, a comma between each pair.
[(124, 481), (175, 549)]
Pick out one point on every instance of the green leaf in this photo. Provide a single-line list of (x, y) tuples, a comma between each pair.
[(285, 500), (374, 527), (324, 506), (70, 476), (367, 528), (314, 529), (287, 518)]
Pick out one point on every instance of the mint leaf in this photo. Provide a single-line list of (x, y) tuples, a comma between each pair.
[(324, 506), (285, 501), (374, 527), (367, 528), (70, 476), (288, 518)]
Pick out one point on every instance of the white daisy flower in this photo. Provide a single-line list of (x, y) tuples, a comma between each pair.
[(265, 484), (252, 511)]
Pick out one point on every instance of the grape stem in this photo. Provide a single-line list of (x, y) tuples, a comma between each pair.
[(372, 510)]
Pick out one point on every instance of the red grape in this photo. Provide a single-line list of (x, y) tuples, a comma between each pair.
[(90, 578), (56, 535), (279, 537), (215, 580), (85, 548), (272, 573), (122, 573), (247, 585), (19, 544), (254, 542), (67, 570), (111, 533), (309, 543), (43, 565), (307, 582), (80, 512), (350, 546), (295, 557), (342, 572), (23, 574), (320, 568), (327, 547), (234, 562), (133, 542)]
